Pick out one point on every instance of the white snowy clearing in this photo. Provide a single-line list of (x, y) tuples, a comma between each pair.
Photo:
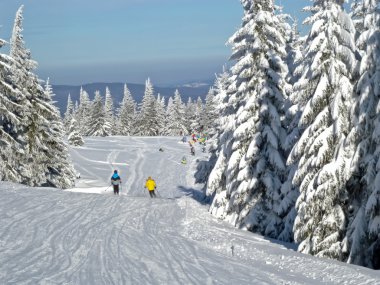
[(89, 236)]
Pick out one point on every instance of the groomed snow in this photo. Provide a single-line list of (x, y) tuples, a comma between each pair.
[(50, 236)]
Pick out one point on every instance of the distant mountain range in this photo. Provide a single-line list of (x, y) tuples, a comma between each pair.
[(193, 90)]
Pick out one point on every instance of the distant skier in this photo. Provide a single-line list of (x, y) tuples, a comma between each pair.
[(115, 181), (192, 150), (151, 186), (183, 161)]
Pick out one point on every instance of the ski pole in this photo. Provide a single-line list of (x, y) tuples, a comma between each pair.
[(158, 194), (107, 188)]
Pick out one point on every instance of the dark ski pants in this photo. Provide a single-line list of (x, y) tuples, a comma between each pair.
[(116, 189), (152, 194)]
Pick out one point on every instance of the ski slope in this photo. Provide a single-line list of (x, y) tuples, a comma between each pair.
[(87, 235)]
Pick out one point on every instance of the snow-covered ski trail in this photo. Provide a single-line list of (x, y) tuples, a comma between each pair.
[(49, 236), (136, 159), (75, 238)]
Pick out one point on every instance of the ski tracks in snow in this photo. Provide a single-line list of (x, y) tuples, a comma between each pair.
[(134, 175), (49, 236), (85, 239)]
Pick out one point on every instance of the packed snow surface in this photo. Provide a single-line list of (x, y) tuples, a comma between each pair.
[(87, 235)]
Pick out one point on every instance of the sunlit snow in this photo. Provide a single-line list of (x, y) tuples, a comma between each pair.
[(87, 235)]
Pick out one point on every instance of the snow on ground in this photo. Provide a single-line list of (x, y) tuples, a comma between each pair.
[(50, 236)]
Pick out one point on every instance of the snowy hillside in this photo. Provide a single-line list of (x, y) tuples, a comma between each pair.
[(87, 235)]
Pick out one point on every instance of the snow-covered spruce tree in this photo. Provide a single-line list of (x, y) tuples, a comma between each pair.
[(75, 138), (209, 114), (161, 115), (371, 62), (168, 111), (21, 59), (76, 107), (208, 129), (325, 86), (189, 114), (293, 107), (296, 65), (36, 109), (10, 123), (196, 124), (59, 169), (256, 166), (220, 101), (109, 120), (176, 116), (286, 208), (221, 146), (68, 114), (82, 114), (146, 125), (214, 141), (45, 160), (97, 122), (126, 114), (294, 51), (362, 239)]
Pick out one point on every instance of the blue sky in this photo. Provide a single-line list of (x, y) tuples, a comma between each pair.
[(171, 41)]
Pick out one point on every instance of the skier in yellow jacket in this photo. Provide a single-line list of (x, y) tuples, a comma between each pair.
[(151, 185)]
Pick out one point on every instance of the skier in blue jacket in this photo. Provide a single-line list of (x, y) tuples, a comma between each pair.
[(115, 181)]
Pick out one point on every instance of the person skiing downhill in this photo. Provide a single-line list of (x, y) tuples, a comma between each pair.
[(151, 185), (115, 181)]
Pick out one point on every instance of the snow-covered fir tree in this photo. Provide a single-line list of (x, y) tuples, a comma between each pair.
[(126, 114), (68, 114), (76, 107), (109, 120), (59, 169), (362, 239), (256, 165), (97, 125), (10, 121), (161, 115), (22, 76), (189, 114), (209, 114), (324, 89), (44, 159), (20, 64), (222, 143), (369, 85), (196, 124), (168, 110), (221, 109), (82, 114), (293, 107), (75, 138), (176, 116), (147, 125), (217, 140), (36, 108), (294, 51)]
